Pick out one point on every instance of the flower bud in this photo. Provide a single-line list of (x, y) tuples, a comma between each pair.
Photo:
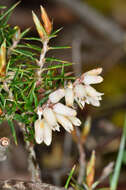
[(17, 34), (39, 27), (46, 21), (3, 59), (90, 170), (1, 111)]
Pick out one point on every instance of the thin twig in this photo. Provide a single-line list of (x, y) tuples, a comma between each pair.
[(41, 62), (14, 45), (33, 166), (6, 88)]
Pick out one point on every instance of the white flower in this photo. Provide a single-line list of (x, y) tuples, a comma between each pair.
[(92, 96), (50, 117), (64, 122), (69, 95), (75, 121), (64, 110), (57, 95), (80, 95), (43, 132), (92, 77)]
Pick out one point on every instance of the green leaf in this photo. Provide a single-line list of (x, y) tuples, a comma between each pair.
[(59, 47), (57, 66), (10, 123), (25, 32), (35, 99), (8, 11), (115, 177), (53, 35), (51, 59), (69, 177), (33, 38), (2, 7), (34, 47), (25, 53)]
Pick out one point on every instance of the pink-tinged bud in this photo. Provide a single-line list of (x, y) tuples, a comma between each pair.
[(57, 95), (64, 110), (3, 59), (46, 21), (64, 122)]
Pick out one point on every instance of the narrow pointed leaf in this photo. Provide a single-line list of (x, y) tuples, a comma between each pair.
[(10, 122), (9, 10)]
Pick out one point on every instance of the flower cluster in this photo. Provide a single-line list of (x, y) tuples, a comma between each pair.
[(55, 114)]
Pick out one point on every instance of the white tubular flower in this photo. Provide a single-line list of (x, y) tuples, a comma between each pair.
[(50, 117), (90, 91), (57, 95), (92, 96), (80, 94), (64, 122), (43, 132), (69, 96), (64, 110), (91, 77), (80, 91), (75, 121), (93, 101)]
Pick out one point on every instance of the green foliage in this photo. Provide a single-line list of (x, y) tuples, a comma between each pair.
[(20, 95)]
